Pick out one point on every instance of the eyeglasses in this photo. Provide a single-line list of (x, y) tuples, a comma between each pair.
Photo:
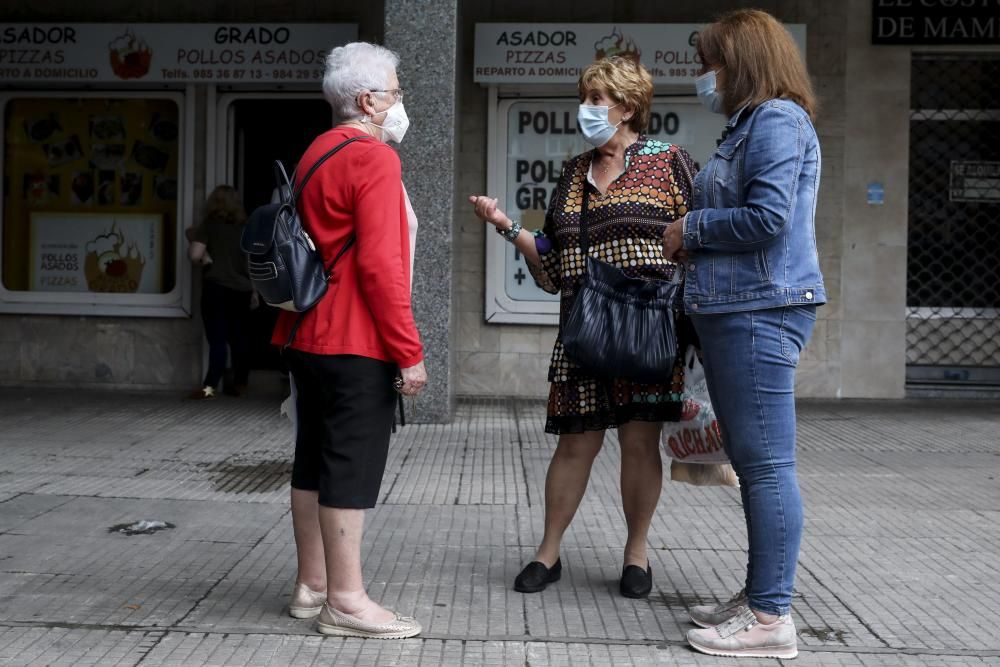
[(397, 92)]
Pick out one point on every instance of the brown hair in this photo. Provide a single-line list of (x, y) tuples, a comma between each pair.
[(761, 61), (626, 81), (225, 205)]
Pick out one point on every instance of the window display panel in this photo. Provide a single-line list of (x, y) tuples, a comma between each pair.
[(90, 201)]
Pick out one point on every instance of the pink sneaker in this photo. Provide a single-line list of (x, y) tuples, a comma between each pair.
[(745, 636), (709, 616)]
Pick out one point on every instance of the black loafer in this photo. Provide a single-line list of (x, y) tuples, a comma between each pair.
[(636, 582), (535, 576)]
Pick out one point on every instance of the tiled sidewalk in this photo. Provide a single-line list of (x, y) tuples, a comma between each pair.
[(900, 563)]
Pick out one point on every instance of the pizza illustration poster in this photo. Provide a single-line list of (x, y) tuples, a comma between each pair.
[(87, 252)]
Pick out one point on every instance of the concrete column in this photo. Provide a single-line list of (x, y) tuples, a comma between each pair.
[(425, 34), (873, 270)]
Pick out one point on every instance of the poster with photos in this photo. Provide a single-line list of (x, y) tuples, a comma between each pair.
[(96, 155)]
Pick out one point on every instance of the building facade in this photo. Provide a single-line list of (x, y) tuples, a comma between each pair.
[(106, 169)]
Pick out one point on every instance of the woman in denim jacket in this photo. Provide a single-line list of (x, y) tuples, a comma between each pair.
[(752, 286)]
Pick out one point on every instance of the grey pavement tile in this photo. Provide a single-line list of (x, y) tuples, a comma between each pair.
[(901, 427), (450, 587), (62, 464), (14, 483), (926, 524), (19, 509), (890, 584), (889, 659), (423, 470), (61, 646), (469, 527), (111, 601), (92, 518), (202, 487), (253, 595), (875, 487), (586, 603), (73, 647), (225, 650), (902, 516)]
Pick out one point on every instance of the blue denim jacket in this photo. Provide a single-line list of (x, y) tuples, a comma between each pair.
[(751, 235)]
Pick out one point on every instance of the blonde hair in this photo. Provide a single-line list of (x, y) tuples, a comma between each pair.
[(625, 81), (224, 205), (760, 58)]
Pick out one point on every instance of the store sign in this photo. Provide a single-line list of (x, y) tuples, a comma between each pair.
[(540, 136), (935, 22), (87, 252), (168, 52), (509, 53), (974, 182)]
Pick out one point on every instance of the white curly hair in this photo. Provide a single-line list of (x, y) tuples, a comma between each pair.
[(351, 69)]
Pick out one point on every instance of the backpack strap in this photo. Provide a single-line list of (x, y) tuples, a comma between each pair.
[(297, 188)]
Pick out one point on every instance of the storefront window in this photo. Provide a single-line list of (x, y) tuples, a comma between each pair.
[(90, 197)]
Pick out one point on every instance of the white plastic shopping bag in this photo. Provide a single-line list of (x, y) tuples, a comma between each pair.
[(287, 408), (695, 442), (696, 438)]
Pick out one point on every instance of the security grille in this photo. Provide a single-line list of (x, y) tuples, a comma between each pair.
[(953, 258)]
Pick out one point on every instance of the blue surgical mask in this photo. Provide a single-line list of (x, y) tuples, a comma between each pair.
[(707, 94), (594, 124)]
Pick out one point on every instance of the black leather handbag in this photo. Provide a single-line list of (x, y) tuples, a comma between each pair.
[(621, 327)]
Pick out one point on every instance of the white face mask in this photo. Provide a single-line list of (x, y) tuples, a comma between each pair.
[(594, 124), (707, 94), (395, 124)]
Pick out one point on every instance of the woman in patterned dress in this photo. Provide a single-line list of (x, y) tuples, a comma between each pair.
[(635, 186)]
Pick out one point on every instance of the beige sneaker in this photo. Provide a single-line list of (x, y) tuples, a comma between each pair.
[(709, 616), (333, 622), (745, 636), (306, 603)]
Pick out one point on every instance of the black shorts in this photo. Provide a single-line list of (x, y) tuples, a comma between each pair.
[(345, 409)]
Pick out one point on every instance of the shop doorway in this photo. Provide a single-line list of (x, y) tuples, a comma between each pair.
[(953, 277), (259, 130)]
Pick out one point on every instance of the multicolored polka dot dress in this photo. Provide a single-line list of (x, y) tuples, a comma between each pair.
[(625, 226)]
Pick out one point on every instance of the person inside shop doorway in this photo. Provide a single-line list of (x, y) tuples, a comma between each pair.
[(226, 294), (258, 141)]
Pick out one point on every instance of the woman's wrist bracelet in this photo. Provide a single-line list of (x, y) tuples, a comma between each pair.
[(512, 233)]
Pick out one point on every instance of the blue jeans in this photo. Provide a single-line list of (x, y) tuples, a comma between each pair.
[(750, 359)]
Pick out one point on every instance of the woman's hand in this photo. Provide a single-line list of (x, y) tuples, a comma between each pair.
[(414, 379), (673, 241), (198, 254), (486, 209)]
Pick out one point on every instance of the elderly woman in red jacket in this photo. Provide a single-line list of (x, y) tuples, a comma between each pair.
[(357, 347)]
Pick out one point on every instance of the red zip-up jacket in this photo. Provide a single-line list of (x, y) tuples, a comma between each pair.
[(367, 310)]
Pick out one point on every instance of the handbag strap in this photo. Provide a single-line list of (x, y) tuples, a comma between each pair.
[(584, 236)]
